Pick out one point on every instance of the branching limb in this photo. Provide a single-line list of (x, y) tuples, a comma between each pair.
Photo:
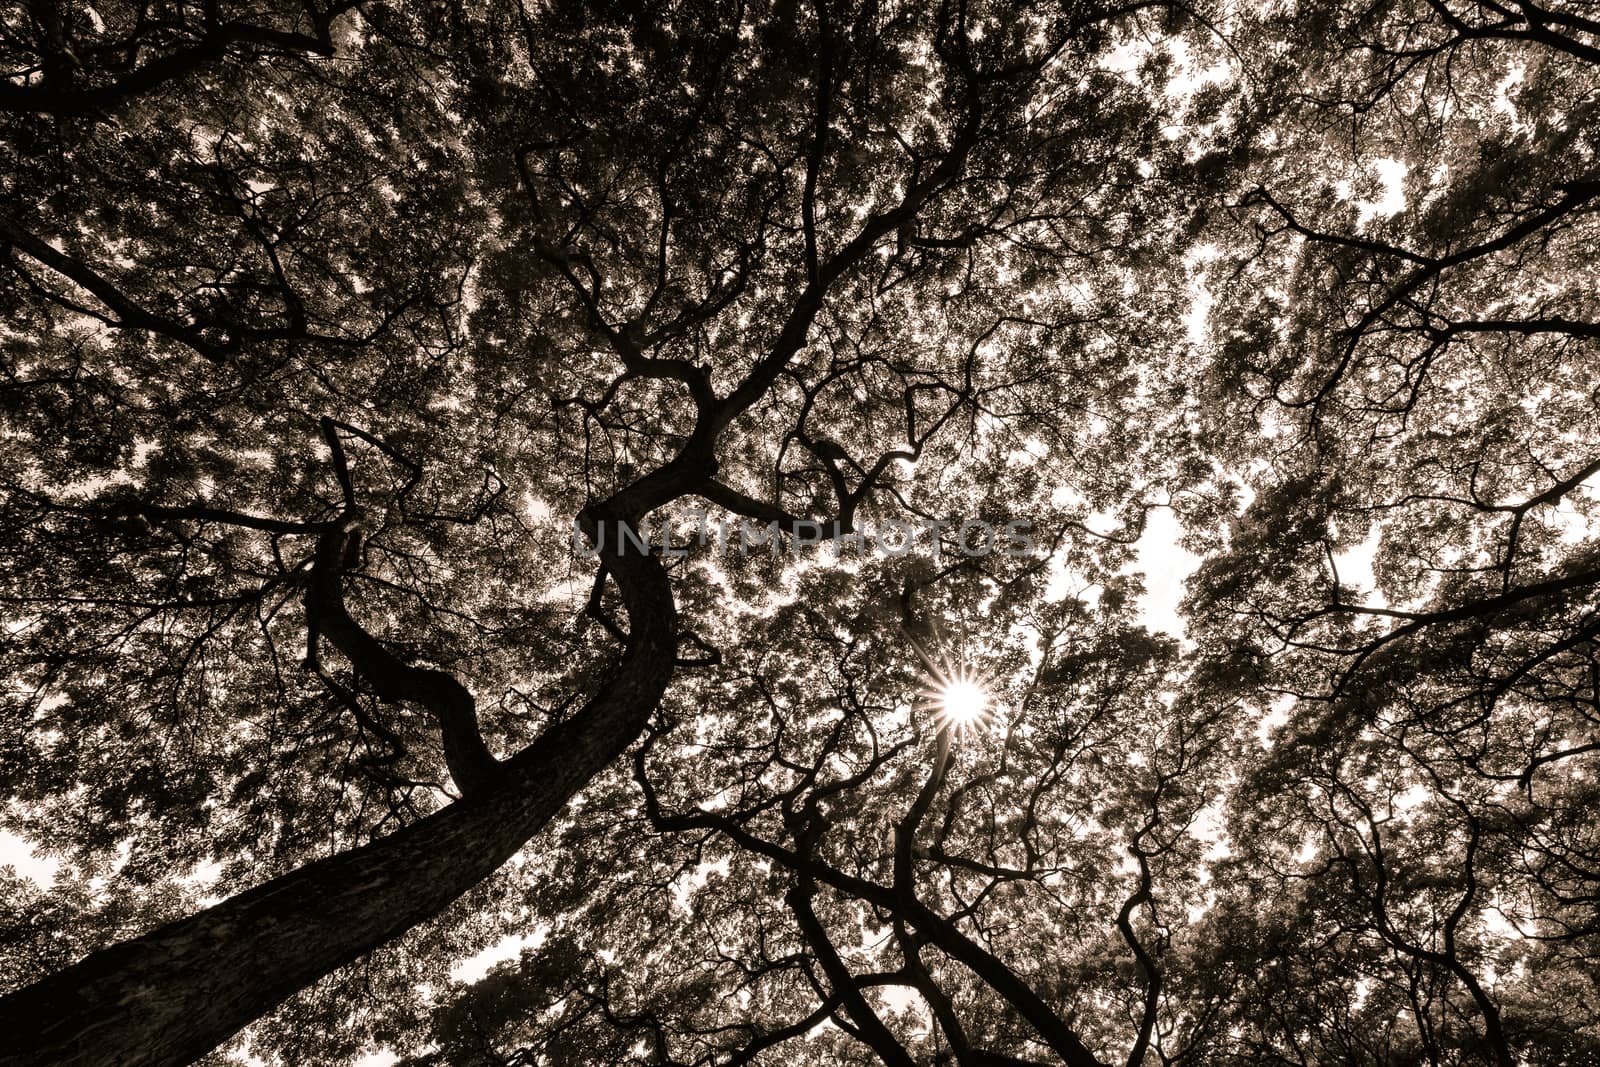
[(869, 1025)]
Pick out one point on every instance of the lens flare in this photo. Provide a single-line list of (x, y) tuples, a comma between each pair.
[(958, 696), (963, 703)]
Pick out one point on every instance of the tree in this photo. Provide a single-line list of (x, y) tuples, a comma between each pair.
[(1421, 369), (355, 353), (320, 313)]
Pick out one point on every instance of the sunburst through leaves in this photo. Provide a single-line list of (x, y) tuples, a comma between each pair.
[(958, 694)]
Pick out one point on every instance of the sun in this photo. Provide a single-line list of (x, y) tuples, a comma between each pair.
[(958, 696), (962, 702), (954, 691)]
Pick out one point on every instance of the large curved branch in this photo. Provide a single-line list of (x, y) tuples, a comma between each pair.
[(451, 703), (471, 765), (166, 998), (1150, 973)]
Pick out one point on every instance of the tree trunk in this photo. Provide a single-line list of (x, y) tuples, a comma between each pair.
[(168, 997)]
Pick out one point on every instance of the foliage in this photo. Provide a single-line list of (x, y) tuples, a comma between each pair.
[(324, 327)]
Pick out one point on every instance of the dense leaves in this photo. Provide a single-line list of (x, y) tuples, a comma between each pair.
[(344, 347)]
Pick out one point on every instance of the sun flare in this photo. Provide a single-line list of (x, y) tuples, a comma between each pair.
[(957, 695), (963, 702)]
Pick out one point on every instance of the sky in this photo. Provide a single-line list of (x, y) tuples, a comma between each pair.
[(1166, 566)]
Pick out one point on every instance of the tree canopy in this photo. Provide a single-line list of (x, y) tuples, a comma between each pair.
[(495, 497)]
